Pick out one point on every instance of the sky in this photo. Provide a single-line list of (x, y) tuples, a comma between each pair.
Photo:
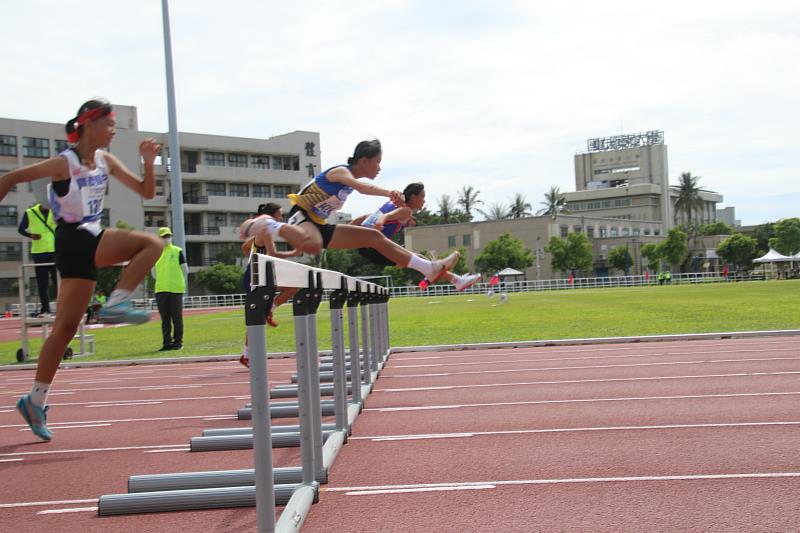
[(496, 94)]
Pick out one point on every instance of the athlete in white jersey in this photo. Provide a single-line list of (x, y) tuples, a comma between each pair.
[(79, 180)]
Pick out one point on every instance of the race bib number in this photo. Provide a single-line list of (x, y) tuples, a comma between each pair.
[(92, 199)]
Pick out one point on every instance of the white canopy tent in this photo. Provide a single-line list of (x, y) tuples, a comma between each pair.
[(775, 257)]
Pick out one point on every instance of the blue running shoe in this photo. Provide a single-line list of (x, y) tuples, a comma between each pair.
[(35, 416), (122, 313)]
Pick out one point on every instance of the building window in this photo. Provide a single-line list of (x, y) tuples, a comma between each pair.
[(159, 187), (281, 246), (603, 232), (310, 149), (239, 190), (61, 145), (261, 191), (236, 219), (577, 228), (8, 145), (614, 231), (656, 232), (10, 251), (35, 147), (636, 232), (281, 191), (564, 231), (259, 161), (285, 162), (105, 218), (237, 160), (215, 188), (647, 231), (590, 232), (215, 159), (8, 215), (217, 220), (155, 219), (466, 239), (451, 241), (626, 232)]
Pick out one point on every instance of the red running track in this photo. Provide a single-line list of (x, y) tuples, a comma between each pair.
[(684, 435)]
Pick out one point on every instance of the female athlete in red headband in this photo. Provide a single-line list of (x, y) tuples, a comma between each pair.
[(79, 177)]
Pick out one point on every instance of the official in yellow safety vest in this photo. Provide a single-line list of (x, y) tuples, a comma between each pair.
[(170, 274), (39, 225)]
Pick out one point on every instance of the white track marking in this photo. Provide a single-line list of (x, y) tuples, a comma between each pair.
[(125, 404), (170, 387), (93, 382), (573, 381), (182, 399), (120, 420), (45, 504), (69, 510), (394, 438), (10, 460), (80, 426), (185, 449), (489, 361), (582, 400), (585, 367), (88, 450), (420, 489), (378, 489)]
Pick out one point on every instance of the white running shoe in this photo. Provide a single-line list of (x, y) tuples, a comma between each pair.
[(466, 281), (443, 265)]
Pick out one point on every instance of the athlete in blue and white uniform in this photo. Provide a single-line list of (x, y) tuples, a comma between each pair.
[(79, 178), (325, 195)]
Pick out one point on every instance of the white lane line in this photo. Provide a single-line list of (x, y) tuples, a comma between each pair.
[(170, 387), (185, 449), (583, 400), (87, 450), (575, 381), (231, 417), (79, 426), (393, 438), (585, 367), (125, 404), (93, 382), (548, 350), (420, 489), (45, 504), (69, 510), (377, 489), (10, 460), (143, 387), (60, 393), (182, 399), (121, 420), (489, 361), (7, 410)]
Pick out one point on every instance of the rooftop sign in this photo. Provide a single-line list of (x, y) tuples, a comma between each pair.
[(632, 140)]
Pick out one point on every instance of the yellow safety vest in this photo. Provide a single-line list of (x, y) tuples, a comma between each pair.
[(43, 226), (169, 274)]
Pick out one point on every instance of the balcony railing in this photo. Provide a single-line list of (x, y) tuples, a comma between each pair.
[(189, 198), (202, 230)]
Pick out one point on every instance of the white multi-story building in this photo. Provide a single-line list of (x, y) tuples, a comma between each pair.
[(224, 179)]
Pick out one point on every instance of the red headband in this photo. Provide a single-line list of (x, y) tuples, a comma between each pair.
[(86, 116)]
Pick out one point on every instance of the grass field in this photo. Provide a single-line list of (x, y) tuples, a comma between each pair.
[(770, 305)]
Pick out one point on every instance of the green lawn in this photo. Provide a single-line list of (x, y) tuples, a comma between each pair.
[(752, 306)]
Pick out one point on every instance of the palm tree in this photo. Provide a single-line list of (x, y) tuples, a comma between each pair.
[(446, 208), (554, 201), (519, 207), (689, 199), (496, 211), (468, 198)]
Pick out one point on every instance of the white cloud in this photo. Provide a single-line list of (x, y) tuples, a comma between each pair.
[(498, 94)]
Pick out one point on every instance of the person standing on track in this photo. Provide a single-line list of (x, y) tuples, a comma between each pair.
[(324, 196), (79, 180), (39, 225), (170, 274)]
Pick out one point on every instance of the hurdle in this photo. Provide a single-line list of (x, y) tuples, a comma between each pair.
[(265, 486)]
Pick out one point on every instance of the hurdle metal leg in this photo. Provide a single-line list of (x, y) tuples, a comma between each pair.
[(353, 299)]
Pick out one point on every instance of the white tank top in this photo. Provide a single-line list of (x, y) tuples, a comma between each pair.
[(87, 190)]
